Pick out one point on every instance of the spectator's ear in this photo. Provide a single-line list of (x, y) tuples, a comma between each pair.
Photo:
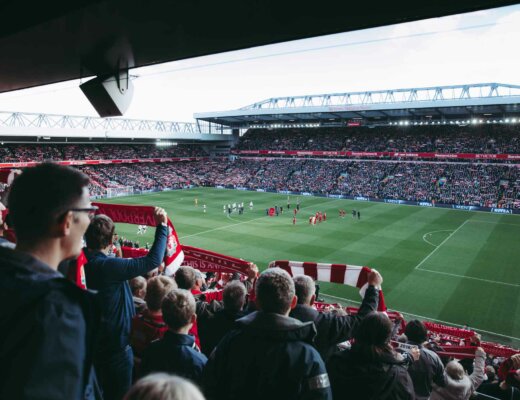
[(63, 226), (313, 299), (294, 301)]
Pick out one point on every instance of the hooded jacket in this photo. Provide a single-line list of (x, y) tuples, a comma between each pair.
[(48, 332), (267, 356)]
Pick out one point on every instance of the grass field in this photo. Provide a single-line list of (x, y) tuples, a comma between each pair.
[(446, 265)]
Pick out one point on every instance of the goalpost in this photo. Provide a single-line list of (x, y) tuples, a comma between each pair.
[(120, 191)]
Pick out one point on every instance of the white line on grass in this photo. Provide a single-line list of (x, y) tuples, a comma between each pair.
[(427, 318), (494, 222), (439, 246), (429, 233), (469, 277)]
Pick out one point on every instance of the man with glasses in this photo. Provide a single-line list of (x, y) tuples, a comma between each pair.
[(48, 327), (110, 276)]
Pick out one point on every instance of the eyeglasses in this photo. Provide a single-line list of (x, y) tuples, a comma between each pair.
[(90, 210)]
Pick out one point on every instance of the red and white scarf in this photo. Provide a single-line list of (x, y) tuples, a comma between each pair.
[(351, 275)]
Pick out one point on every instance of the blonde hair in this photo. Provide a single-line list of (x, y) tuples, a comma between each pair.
[(164, 387)]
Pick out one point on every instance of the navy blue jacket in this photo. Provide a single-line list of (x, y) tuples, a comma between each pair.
[(109, 276), (174, 354), (48, 327), (269, 356)]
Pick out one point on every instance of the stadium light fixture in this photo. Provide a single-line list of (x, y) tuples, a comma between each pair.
[(507, 120), (513, 120), (473, 121), (480, 121)]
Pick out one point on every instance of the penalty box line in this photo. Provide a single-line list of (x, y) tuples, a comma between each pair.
[(457, 275)]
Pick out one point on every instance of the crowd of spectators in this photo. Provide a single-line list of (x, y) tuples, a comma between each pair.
[(493, 139), (59, 152), (471, 184), (264, 339)]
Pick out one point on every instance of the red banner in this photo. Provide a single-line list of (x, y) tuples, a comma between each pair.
[(143, 215), (96, 162), (379, 154), (203, 260)]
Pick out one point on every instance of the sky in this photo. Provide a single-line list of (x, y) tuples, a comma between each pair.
[(466, 48)]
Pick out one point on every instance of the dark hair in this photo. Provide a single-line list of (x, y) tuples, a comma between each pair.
[(178, 307), (234, 296), (274, 291), (41, 195), (185, 277), (373, 338), (100, 232), (416, 331)]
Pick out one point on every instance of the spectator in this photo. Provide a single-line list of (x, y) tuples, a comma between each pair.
[(186, 278), (428, 368), (164, 387), (332, 329), (505, 390), (216, 327), (109, 276), (138, 287), (175, 352), (269, 355), (47, 340), (371, 369), (150, 325), (460, 385), (4, 242)]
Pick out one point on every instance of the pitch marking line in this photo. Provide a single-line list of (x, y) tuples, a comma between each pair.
[(470, 277), (440, 245), (429, 233), (456, 275), (428, 318)]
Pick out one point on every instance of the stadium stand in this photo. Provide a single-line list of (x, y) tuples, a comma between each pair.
[(493, 139)]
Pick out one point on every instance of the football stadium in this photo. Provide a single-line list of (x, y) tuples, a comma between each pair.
[(355, 244)]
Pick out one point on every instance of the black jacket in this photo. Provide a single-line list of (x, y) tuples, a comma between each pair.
[(425, 371), (353, 377), (333, 329), (174, 354), (268, 356), (47, 334), (213, 329)]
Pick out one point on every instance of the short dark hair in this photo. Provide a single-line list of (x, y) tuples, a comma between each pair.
[(274, 291), (234, 296), (178, 307), (100, 232), (304, 287), (415, 331), (185, 277), (158, 288), (42, 194)]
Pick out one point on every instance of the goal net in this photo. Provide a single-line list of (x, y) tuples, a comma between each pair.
[(120, 191)]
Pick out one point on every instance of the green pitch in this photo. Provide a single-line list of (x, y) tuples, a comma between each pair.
[(453, 266)]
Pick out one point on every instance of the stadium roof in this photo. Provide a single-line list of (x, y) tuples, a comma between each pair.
[(441, 103), (43, 42)]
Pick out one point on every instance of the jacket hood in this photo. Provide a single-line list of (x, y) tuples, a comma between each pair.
[(276, 326)]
